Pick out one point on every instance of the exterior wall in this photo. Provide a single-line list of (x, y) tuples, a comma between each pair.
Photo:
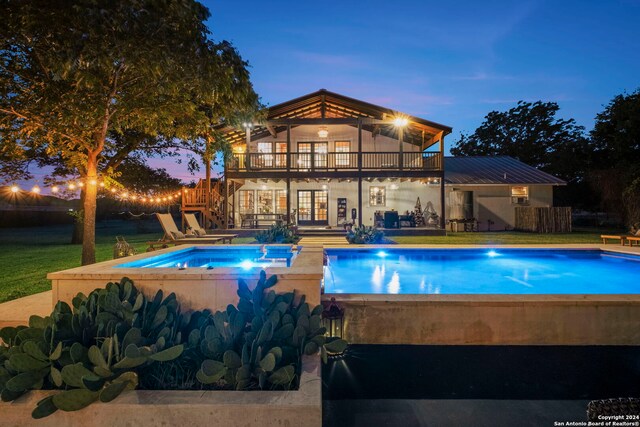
[(493, 202), (400, 196), (337, 133)]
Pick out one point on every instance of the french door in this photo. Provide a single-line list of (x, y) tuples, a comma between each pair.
[(312, 155), (313, 207)]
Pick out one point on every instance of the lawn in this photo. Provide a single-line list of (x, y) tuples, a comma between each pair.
[(28, 254), (503, 238)]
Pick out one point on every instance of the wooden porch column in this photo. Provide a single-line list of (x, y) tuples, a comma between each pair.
[(442, 195), (288, 200), (359, 144), (225, 200), (233, 205), (360, 201), (288, 152)]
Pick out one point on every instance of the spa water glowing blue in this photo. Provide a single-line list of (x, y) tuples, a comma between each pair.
[(480, 271), (243, 257)]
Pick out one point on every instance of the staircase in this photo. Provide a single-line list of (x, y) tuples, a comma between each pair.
[(195, 200)]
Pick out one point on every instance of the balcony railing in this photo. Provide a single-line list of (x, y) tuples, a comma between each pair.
[(335, 161)]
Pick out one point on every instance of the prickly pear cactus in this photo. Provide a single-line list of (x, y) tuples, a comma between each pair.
[(259, 344), (93, 351)]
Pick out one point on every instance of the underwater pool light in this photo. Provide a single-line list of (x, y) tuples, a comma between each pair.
[(247, 264), (492, 253), (382, 254)]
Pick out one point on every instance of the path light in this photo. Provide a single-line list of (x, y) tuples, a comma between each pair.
[(333, 318)]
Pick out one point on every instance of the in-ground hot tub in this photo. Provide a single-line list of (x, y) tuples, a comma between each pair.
[(201, 276), (470, 295)]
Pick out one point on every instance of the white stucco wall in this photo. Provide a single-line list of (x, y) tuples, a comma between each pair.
[(493, 202), (400, 196)]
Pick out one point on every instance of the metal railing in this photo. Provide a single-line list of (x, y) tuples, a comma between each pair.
[(334, 161)]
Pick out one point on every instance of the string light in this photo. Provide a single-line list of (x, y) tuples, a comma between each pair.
[(121, 193)]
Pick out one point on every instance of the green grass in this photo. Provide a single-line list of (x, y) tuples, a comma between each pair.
[(502, 238), (28, 254)]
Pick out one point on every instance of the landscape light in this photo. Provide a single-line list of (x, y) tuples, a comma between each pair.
[(35, 189), (113, 190), (15, 188)]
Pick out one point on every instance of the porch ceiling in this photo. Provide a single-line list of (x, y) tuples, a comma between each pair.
[(329, 105)]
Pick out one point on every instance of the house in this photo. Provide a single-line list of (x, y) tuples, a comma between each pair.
[(489, 188), (325, 160)]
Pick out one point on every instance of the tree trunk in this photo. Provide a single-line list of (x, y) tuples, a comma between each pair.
[(78, 222), (207, 203), (89, 205)]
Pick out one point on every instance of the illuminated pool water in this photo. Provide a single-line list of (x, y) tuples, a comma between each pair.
[(244, 257), (480, 271)]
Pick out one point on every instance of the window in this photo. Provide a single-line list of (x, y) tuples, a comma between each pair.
[(265, 201), (281, 154), (265, 159), (281, 202), (520, 195), (377, 196), (342, 153), (246, 201)]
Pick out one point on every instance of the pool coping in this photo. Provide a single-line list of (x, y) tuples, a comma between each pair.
[(107, 269)]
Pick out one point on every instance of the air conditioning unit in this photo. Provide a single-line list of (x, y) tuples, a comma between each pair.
[(520, 200)]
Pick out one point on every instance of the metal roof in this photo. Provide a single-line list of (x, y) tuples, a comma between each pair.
[(483, 170)]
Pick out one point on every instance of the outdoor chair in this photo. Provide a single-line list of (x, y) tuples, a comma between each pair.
[(631, 238), (173, 236), (200, 233)]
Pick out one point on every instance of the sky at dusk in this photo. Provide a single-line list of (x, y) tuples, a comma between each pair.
[(449, 62)]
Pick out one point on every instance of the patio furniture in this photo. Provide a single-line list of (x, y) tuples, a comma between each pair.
[(621, 406), (173, 236), (192, 222), (606, 237), (632, 239), (253, 220)]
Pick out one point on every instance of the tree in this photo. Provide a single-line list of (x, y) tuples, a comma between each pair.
[(531, 133), (616, 137), (77, 80)]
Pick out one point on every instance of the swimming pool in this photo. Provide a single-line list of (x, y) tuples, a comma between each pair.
[(244, 257), (480, 271)]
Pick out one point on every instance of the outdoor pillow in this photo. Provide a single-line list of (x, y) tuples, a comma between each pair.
[(177, 235), (199, 232)]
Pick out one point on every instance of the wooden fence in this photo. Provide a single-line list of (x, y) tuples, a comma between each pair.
[(543, 220)]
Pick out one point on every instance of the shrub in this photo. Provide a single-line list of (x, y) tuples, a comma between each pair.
[(117, 339), (365, 235), (278, 233)]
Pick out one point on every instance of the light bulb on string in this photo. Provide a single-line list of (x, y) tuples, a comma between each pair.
[(15, 188)]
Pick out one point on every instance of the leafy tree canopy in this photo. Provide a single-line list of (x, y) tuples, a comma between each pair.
[(531, 133), (83, 84)]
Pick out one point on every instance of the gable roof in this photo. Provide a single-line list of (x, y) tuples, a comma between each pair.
[(483, 170), (330, 105)]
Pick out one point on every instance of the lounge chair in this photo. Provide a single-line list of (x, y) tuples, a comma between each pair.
[(173, 236), (192, 222)]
